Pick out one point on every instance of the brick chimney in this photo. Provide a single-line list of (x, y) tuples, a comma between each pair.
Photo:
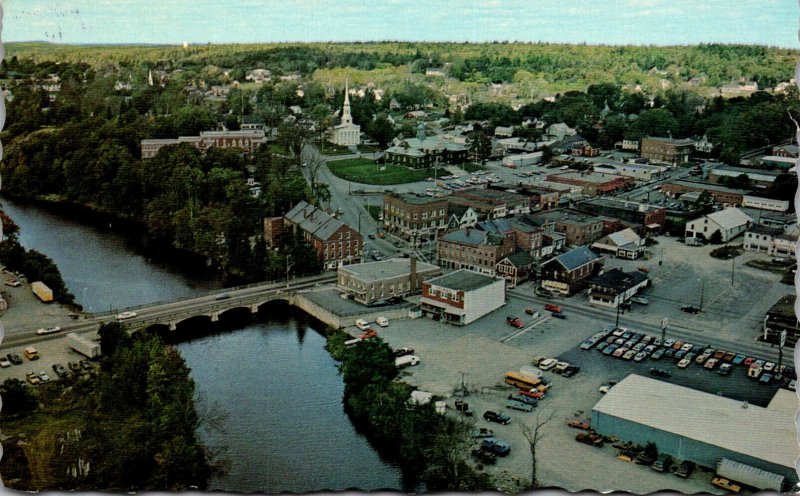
[(413, 273)]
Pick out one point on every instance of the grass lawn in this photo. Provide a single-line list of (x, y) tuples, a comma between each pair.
[(361, 170), (374, 210), (278, 149)]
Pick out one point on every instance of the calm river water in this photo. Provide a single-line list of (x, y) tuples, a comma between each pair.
[(283, 426)]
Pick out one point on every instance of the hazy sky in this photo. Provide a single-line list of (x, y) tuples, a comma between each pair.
[(770, 22)]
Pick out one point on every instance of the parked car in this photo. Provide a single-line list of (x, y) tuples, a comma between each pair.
[(515, 322), (684, 363), (524, 399), (578, 424), (74, 366), (619, 352), (662, 463), (33, 378), (533, 393), (559, 315), (657, 354), (669, 353), (690, 309), (769, 366), (726, 484), (14, 358), (550, 307), (765, 378), (641, 300), (639, 346), (43, 376), (711, 363), (724, 369), (368, 333), (677, 345), (679, 354), (728, 357), (481, 433), (570, 371), (590, 439), (126, 315), (518, 405), (701, 358), (719, 354), (548, 363), (560, 367), (498, 417), (403, 352), (629, 355), (608, 350), (687, 347), (738, 359), (587, 344), (496, 446), (5, 362), (669, 343), (382, 321), (659, 372), (748, 361), (685, 469), (60, 370)]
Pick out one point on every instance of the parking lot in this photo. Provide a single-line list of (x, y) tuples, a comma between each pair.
[(481, 353)]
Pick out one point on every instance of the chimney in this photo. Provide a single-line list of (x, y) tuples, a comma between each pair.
[(413, 273)]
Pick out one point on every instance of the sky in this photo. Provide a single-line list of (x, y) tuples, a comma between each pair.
[(641, 22)]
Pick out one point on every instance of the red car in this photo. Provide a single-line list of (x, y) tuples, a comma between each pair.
[(368, 333), (748, 361), (531, 394), (515, 322), (578, 424)]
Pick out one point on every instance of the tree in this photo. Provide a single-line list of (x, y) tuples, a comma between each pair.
[(294, 136), (112, 337), (480, 145), (533, 435), (17, 397), (381, 130)]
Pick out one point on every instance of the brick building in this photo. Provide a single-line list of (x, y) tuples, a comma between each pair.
[(375, 282), (720, 194), (667, 150), (491, 202), (335, 242), (473, 249), (642, 217), (594, 183), (579, 228), (248, 141), (414, 217), (569, 272)]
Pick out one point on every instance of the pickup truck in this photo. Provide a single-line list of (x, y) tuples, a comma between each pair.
[(578, 424), (496, 446), (590, 439)]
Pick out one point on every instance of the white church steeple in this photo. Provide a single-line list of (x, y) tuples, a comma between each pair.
[(346, 117)]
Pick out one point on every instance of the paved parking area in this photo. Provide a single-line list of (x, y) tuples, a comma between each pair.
[(480, 354)]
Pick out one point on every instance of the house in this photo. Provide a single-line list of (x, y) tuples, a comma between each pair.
[(516, 268), (258, 76), (335, 242), (629, 145), (729, 223), (667, 150), (612, 287), (781, 317), (569, 143), (376, 282), (461, 216), (560, 131), (462, 297), (473, 249), (621, 244), (415, 114), (569, 272), (414, 217), (504, 131), (346, 133), (527, 237), (792, 151)]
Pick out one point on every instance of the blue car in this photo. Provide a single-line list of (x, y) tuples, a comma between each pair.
[(610, 349)]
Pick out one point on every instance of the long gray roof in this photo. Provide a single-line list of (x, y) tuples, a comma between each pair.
[(313, 220), (463, 280), (577, 257)]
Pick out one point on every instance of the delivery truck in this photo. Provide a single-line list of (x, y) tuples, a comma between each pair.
[(83, 345), (41, 290), (749, 475)]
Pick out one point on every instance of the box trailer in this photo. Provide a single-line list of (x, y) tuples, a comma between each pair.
[(41, 290), (83, 345), (749, 475)]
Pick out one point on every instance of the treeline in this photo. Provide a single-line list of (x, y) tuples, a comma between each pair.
[(35, 265), (84, 148), (132, 427), (431, 448)]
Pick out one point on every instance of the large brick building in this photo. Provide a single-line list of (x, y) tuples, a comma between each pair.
[(641, 217), (474, 249), (335, 242), (667, 150), (414, 217), (594, 183), (491, 202), (720, 194), (569, 272), (578, 227), (248, 141)]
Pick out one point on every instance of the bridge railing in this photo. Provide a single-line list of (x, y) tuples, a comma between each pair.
[(277, 283)]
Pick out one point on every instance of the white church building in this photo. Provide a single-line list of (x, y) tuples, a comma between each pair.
[(346, 133)]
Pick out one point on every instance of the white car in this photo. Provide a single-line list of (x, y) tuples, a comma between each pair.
[(604, 389), (382, 321), (126, 315), (548, 363), (4, 362), (48, 330)]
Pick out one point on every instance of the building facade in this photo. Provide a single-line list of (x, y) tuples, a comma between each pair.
[(247, 141), (578, 228), (516, 268), (473, 249), (593, 183), (613, 287), (667, 150), (335, 242), (491, 202), (375, 282), (462, 297), (569, 272), (729, 223), (413, 217)]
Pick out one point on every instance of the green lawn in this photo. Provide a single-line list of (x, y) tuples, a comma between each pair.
[(278, 149), (361, 170), (472, 167), (374, 210)]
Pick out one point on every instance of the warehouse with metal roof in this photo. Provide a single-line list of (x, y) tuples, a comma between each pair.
[(693, 425)]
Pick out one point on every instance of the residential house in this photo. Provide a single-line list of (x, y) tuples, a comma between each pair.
[(414, 217), (335, 242), (462, 297), (461, 216), (473, 249), (792, 151), (375, 282), (516, 268), (621, 244), (569, 272), (504, 131), (560, 131), (667, 150), (613, 287), (729, 223)]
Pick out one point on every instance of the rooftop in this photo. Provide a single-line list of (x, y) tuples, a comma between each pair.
[(784, 307), (761, 229), (576, 257), (623, 204), (520, 259), (565, 216), (770, 435), (702, 185), (490, 194), (463, 280), (470, 236), (385, 269), (729, 218), (313, 220), (587, 177), (416, 199), (683, 141), (619, 280)]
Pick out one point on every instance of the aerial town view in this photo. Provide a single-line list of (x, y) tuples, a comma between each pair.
[(520, 247)]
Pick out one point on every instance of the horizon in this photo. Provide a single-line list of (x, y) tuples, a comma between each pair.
[(590, 22)]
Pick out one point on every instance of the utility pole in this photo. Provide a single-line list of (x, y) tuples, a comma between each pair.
[(616, 324), (289, 265), (733, 268), (780, 353), (664, 322), (702, 294)]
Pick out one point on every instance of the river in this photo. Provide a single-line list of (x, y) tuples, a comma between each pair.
[(275, 388)]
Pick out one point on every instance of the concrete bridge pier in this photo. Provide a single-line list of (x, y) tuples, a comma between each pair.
[(254, 309), (173, 326), (215, 317)]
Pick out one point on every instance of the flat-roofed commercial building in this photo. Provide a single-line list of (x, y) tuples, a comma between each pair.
[(593, 183), (779, 318), (414, 217), (701, 427), (667, 150), (373, 282), (462, 297), (721, 194)]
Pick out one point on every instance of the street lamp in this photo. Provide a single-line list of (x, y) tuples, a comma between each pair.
[(702, 294)]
